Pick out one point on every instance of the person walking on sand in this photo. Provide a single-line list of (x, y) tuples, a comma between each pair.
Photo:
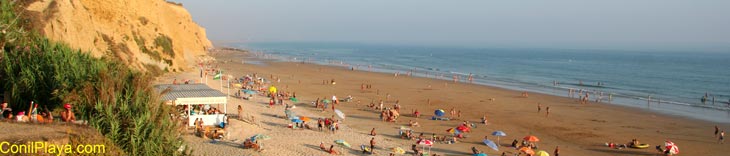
[(372, 144), (717, 130), (557, 151), (721, 140), (547, 111), (539, 107)]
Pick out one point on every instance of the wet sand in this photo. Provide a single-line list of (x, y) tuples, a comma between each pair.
[(579, 129)]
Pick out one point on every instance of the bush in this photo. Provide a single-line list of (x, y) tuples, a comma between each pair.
[(115, 99), (166, 44)]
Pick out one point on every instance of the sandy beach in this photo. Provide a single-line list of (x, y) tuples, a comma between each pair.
[(578, 129)]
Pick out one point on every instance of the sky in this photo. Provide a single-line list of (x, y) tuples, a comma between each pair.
[(700, 25)]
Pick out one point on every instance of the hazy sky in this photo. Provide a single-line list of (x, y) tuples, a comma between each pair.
[(620, 24)]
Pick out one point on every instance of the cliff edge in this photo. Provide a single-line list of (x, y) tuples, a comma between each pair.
[(141, 33)]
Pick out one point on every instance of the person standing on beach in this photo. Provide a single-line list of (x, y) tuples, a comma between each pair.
[(717, 130), (372, 144), (381, 105), (320, 124), (240, 111), (722, 137), (557, 151), (333, 107), (539, 107), (453, 112), (484, 120), (547, 111)]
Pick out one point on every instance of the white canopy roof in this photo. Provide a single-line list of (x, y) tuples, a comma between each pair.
[(191, 94)]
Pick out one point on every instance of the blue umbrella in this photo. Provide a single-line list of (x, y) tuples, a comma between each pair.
[(499, 134), (480, 154), (491, 144), (439, 112), (296, 120)]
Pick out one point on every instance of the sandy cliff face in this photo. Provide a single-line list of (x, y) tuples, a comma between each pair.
[(138, 32)]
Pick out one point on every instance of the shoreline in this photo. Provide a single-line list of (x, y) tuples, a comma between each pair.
[(578, 129), (716, 113)]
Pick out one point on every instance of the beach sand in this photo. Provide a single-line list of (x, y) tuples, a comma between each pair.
[(579, 129)]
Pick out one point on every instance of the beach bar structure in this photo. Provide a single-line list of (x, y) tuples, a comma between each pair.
[(194, 94)]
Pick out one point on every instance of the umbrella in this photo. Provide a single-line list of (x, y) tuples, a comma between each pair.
[(340, 114), (439, 112), (480, 154), (272, 89), (531, 138), (326, 101), (542, 153), (527, 150), (247, 91), (342, 143), (463, 128), (260, 137), (398, 150), (293, 99), (304, 118), (451, 130), (296, 120), (673, 149), (425, 142), (499, 134), (491, 144)]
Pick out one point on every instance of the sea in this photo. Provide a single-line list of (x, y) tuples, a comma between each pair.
[(669, 82)]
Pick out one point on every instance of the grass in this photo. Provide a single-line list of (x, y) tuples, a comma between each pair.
[(115, 100), (165, 43)]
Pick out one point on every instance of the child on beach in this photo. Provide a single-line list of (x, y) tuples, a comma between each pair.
[(372, 132)]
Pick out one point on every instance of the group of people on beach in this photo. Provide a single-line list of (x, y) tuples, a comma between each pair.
[(36, 114)]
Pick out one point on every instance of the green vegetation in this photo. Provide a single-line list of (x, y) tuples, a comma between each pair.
[(142, 47), (165, 43), (115, 99)]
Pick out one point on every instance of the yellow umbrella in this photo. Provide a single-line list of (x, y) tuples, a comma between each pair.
[(272, 89), (398, 150), (542, 153)]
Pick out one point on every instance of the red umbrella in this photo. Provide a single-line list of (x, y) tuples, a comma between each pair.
[(463, 128), (527, 150), (531, 138)]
